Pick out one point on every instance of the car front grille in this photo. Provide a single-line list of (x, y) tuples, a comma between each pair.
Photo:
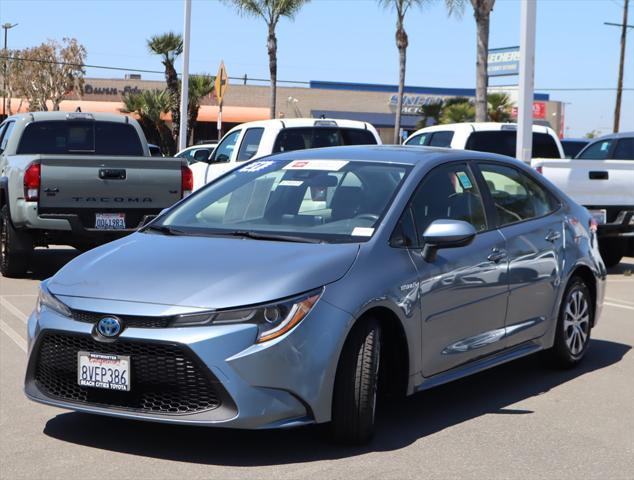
[(165, 378), (132, 321)]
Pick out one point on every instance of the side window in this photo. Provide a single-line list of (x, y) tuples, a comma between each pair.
[(624, 149), (405, 232), (418, 139), (5, 135), (544, 146), (2, 129), (250, 144), (448, 192), (224, 150), (357, 136), (516, 197), (441, 139), (596, 151)]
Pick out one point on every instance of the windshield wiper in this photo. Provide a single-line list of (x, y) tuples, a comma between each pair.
[(165, 230), (270, 236)]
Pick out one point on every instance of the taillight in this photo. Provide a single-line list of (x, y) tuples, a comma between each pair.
[(540, 169), (187, 181), (32, 178)]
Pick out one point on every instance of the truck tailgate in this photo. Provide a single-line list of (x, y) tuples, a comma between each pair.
[(108, 183)]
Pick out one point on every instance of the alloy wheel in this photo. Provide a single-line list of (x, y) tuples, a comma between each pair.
[(576, 322)]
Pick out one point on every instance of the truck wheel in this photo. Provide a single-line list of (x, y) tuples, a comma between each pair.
[(611, 251), (15, 247), (354, 398)]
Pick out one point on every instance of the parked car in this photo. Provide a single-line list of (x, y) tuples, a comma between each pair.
[(293, 288), (78, 179), (601, 177), (572, 146), (197, 153), (255, 139), (487, 137), (155, 150)]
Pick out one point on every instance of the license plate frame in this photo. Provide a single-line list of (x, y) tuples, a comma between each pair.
[(105, 371), (110, 221), (600, 215)]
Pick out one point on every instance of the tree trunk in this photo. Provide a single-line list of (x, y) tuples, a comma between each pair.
[(482, 77), (171, 78), (401, 43), (272, 49)]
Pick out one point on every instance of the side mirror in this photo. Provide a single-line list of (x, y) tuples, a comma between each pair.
[(201, 156), (446, 234)]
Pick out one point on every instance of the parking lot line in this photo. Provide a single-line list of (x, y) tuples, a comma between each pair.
[(14, 310), (618, 305), (13, 335), (618, 300)]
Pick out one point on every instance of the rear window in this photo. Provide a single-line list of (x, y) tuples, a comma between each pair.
[(504, 142), (572, 148), (290, 139), (624, 149), (441, 139), (80, 137)]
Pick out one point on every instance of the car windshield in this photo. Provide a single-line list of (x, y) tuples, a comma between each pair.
[(301, 200)]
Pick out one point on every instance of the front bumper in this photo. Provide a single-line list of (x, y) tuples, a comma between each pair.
[(282, 383)]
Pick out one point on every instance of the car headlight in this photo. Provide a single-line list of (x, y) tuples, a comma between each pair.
[(272, 320), (48, 300)]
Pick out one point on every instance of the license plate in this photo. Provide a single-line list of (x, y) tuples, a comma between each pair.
[(599, 215), (102, 370), (110, 221)]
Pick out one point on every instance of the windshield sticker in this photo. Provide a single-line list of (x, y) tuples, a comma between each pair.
[(464, 180), (362, 232), (604, 146), (256, 166), (325, 165), (291, 183)]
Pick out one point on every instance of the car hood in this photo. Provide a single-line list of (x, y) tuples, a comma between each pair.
[(201, 272)]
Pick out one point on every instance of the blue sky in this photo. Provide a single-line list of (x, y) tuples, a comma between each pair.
[(352, 40)]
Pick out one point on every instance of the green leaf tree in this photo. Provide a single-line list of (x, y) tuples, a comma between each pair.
[(169, 46), (458, 112), (482, 13), (271, 11), (430, 111), (200, 86), (150, 106), (500, 107), (401, 8)]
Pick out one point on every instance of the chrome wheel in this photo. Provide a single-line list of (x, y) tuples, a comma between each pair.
[(576, 322)]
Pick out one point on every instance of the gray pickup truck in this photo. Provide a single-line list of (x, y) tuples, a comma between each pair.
[(79, 179)]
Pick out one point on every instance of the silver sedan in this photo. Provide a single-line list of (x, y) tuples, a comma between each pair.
[(298, 287)]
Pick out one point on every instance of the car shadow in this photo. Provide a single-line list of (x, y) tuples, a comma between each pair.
[(626, 267), (45, 262), (399, 423)]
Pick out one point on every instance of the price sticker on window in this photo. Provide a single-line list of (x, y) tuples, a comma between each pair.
[(464, 179)]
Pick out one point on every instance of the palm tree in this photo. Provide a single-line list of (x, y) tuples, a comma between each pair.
[(401, 7), (482, 12), (271, 11), (169, 46), (458, 112), (150, 106), (199, 87), (500, 107), (430, 111)]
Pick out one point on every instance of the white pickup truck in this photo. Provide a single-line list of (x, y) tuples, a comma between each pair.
[(255, 139), (601, 178)]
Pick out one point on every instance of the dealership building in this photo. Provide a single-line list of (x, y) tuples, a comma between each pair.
[(243, 102)]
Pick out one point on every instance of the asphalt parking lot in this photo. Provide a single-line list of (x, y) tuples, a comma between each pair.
[(521, 420)]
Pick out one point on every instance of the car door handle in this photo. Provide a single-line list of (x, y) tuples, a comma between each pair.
[(598, 175), (496, 255), (112, 174), (552, 236)]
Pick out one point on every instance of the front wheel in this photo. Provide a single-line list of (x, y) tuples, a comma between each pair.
[(354, 398), (573, 326)]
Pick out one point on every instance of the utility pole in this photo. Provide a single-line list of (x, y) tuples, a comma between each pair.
[(619, 85), (524, 149), (182, 136), (6, 27)]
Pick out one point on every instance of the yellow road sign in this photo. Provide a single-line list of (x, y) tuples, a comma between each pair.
[(222, 82)]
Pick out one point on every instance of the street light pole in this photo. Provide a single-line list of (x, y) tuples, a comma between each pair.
[(182, 136), (524, 148), (619, 84), (6, 27)]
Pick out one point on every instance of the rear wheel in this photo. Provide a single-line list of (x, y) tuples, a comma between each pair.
[(573, 326), (354, 398), (15, 247), (612, 251)]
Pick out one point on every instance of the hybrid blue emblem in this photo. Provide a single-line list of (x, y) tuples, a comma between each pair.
[(109, 326)]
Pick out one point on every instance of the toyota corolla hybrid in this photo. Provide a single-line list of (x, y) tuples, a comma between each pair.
[(296, 288)]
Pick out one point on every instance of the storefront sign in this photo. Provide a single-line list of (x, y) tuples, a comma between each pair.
[(89, 89), (539, 110), (503, 61), (412, 103)]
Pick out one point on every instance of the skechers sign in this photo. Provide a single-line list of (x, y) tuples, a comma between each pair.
[(412, 103), (503, 61)]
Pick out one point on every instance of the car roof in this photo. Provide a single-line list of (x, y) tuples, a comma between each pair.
[(613, 135), (396, 154), (302, 122), (480, 127), (58, 115)]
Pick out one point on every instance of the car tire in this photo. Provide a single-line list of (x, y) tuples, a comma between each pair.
[(356, 383), (15, 247), (611, 252), (574, 325)]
